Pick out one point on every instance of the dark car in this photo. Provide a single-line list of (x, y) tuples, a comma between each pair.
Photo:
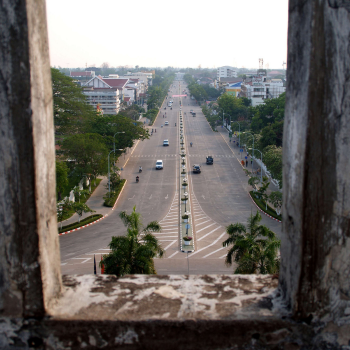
[(197, 169), (209, 160), (193, 114)]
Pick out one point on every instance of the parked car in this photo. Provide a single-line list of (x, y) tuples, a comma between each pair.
[(209, 160), (197, 169), (166, 123), (166, 143), (159, 164)]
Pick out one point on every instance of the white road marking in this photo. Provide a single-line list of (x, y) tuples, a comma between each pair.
[(167, 196), (150, 197), (85, 259), (203, 196), (208, 233), (214, 223), (169, 245), (132, 197), (209, 244), (202, 222), (213, 252), (173, 254)]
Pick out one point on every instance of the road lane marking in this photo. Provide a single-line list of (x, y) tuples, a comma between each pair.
[(217, 250), (173, 254), (214, 223), (208, 245), (202, 222), (199, 239), (169, 245)]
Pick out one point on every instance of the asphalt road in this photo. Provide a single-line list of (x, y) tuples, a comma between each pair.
[(219, 197)]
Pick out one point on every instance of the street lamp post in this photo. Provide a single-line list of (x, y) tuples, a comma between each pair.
[(109, 170), (120, 132), (261, 163), (186, 196), (253, 147), (109, 177), (239, 135)]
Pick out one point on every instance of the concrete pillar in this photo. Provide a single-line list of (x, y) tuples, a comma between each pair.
[(29, 254), (315, 252)]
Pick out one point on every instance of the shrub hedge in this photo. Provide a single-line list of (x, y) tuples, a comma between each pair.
[(111, 198), (83, 222)]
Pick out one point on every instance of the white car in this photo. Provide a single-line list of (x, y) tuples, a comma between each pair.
[(159, 164), (166, 123), (166, 143)]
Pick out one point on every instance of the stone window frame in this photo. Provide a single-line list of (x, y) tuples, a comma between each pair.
[(311, 302)]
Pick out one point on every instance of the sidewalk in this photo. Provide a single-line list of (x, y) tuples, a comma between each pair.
[(95, 202)]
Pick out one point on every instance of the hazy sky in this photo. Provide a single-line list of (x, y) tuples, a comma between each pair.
[(155, 33)]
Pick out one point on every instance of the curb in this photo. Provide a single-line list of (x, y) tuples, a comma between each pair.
[(271, 217), (94, 222)]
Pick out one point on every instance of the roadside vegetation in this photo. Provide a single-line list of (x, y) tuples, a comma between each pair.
[(84, 137), (253, 247), (134, 252), (83, 222), (157, 93)]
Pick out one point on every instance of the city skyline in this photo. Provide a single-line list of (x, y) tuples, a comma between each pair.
[(234, 35)]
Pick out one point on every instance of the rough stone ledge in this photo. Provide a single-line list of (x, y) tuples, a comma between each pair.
[(169, 312)]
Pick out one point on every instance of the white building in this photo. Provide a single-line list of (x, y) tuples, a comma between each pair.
[(226, 72), (260, 89), (106, 100)]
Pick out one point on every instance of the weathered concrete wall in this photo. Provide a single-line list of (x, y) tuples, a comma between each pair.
[(315, 248), (27, 169)]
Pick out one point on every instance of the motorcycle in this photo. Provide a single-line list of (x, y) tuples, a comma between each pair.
[(137, 179)]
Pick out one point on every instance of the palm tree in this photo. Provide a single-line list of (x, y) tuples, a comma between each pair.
[(255, 247), (133, 253)]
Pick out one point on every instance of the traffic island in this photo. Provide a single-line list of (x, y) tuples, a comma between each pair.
[(186, 231)]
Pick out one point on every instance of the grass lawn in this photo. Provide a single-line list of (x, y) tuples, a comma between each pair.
[(261, 204)]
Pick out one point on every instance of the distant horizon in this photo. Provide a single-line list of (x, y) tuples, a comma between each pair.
[(149, 34), (203, 68)]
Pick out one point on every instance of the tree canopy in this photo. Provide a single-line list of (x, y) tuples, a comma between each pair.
[(69, 104)]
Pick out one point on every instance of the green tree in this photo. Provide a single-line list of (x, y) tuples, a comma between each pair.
[(273, 161), (108, 125), (254, 247), (133, 253), (81, 208), (63, 209), (69, 104), (262, 190), (276, 199), (61, 178), (80, 193), (89, 153), (253, 181)]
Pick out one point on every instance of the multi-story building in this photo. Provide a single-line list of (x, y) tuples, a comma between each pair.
[(107, 92), (226, 72), (107, 100), (259, 89)]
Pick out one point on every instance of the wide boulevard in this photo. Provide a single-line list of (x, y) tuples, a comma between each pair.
[(219, 196)]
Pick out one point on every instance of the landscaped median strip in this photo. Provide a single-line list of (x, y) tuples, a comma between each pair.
[(94, 222), (271, 217), (186, 232)]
